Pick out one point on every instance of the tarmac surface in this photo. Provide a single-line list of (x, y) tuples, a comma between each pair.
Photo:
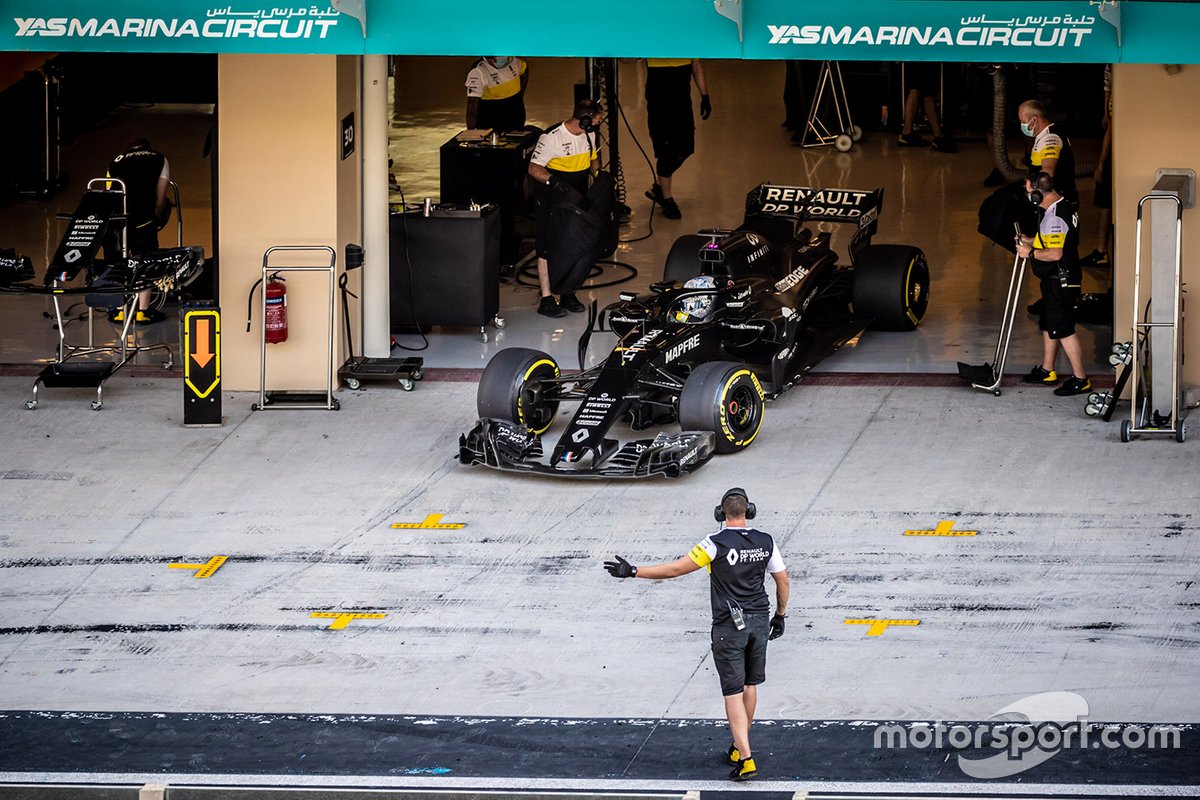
[(450, 656)]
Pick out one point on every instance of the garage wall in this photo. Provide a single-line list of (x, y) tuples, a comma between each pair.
[(1156, 117), (283, 182)]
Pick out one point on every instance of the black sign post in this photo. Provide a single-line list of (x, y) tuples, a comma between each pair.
[(202, 367), (347, 136)]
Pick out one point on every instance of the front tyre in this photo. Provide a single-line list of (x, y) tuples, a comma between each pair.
[(891, 284), (511, 388), (725, 398)]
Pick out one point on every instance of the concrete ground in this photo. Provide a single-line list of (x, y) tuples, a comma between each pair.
[(1080, 578)]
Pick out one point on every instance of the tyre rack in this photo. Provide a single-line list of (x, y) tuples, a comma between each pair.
[(1142, 420), (292, 400)]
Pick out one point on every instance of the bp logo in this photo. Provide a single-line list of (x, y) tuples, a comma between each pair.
[(732, 557)]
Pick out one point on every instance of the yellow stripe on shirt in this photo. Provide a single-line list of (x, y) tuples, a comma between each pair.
[(700, 556), (667, 62), (1049, 241), (576, 163), (503, 90)]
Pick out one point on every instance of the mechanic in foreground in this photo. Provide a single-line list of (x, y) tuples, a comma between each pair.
[(1054, 258), (737, 559)]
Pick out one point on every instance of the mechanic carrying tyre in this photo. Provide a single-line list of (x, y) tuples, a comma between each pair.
[(737, 559), (563, 159)]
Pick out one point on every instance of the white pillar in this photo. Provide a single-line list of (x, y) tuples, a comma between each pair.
[(376, 303)]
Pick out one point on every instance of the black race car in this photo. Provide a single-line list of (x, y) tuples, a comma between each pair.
[(739, 317)]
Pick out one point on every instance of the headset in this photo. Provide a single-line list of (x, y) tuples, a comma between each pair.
[(1042, 182), (586, 112), (719, 511)]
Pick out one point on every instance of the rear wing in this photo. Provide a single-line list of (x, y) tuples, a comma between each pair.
[(805, 204)]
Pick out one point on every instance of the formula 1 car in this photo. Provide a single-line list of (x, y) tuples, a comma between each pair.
[(739, 317)]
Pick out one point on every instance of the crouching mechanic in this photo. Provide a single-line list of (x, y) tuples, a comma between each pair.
[(737, 559), (1054, 254)]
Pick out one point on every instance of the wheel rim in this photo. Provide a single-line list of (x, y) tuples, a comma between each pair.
[(532, 411), (916, 296), (740, 409)]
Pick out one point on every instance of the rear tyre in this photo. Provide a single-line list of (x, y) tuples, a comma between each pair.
[(725, 398), (511, 388), (683, 262), (891, 284)]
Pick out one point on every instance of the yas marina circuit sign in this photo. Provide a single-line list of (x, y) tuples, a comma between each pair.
[(181, 26), (930, 31)]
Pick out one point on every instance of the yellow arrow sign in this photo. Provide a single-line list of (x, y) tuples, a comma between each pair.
[(944, 528), (878, 626), (340, 619), (204, 570), (430, 522)]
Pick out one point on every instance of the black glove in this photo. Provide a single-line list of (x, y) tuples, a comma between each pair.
[(705, 107), (620, 568), (777, 623)]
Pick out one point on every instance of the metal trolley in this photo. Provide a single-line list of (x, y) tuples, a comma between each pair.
[(844, 132), (297, 400), (1143, 419)]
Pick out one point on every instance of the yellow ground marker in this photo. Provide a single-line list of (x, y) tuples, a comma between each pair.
[(340, 619), (430, 522), (878, 626), (943, 529), (204, 570)]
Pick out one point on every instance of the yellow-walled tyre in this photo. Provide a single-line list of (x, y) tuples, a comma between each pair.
[(891, 284), (511, 388), (725, 398)]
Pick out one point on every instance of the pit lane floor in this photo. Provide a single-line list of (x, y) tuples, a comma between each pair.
[(332, 648)]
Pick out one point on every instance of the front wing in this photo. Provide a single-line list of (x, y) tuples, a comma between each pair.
[(507, 446)]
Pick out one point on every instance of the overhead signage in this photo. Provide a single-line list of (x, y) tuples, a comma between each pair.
[(916, 30), (996, 31)]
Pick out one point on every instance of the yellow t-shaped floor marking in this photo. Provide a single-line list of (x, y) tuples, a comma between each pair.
[(430, 522), (340, 619), (878, 626), (204, 570), (943, 529)]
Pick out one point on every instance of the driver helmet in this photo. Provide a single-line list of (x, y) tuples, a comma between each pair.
[(697, 307)]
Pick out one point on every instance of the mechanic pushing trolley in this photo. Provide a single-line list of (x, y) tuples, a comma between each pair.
[(737, 559)]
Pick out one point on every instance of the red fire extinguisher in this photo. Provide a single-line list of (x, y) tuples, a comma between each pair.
[(276, 322)]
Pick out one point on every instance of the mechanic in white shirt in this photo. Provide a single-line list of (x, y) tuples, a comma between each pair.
[(496, 93), (568, 152)]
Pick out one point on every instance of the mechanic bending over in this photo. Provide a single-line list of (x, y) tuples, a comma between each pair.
[(569, 153), (1055, 261), (737, 559)]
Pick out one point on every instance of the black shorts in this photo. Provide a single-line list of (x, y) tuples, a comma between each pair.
[(923, 76), (741, 656), (1058, 306)]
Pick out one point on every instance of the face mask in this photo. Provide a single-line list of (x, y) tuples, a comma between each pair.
[(1027, 129), (502, 61)]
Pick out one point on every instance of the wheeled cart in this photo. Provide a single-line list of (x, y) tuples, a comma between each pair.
[(1155, 409), (360, 369), (289, 400), (101, 211), (989, 376), (839, 129)]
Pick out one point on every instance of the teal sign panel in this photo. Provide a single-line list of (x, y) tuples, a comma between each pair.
[(893, 30), (183, 26), (611, 28), (921, 30)]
